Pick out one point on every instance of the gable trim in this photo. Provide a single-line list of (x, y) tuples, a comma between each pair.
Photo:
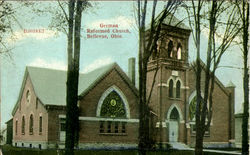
[(119, 71)]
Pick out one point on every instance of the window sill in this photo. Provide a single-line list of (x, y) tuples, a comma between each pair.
[(40, 133), (206, 135), (31, 133), (172, 98), (113, 134)]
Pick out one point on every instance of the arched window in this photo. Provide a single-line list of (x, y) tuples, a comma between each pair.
[(179, 51), (178, 89), (28, 96), (174, 114), (170, 49), (36, 103), (192, 108), (16, 126), (113, 106), (170, 92), (23, 125), (40, 124), (31, 124)]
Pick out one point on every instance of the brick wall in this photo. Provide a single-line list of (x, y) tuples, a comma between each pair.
[(219, 130), (26, 109), (89, 130)]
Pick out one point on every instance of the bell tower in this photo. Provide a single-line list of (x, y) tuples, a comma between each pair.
[(169, 65)]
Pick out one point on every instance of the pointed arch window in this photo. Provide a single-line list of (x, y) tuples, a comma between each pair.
[(192, 107), (179, 49), (40, 125), (174, 114), (28, 96), (170, 91), (178, 89), (23, 125), (16, 126), (31, 124), (192, 110), (170, 49), (113, 106)]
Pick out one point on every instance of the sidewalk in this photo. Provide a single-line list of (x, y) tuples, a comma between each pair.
[(181, 146), (224, 152)]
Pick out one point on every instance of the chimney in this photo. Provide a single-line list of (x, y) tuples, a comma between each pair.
[(231, 88), (131, 69)]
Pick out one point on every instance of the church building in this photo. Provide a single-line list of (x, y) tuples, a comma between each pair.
[(108, 102)]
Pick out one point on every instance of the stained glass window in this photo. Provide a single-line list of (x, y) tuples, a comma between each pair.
[(192, 107), (113, 106)]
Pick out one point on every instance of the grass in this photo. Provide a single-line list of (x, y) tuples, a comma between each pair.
[(10, 150)]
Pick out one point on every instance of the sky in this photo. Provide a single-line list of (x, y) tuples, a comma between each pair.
[(48, 48)]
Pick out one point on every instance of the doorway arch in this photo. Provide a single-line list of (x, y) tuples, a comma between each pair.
[(174, 117)]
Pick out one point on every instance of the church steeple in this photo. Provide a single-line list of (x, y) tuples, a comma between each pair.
[(169, 65), (172, 46)]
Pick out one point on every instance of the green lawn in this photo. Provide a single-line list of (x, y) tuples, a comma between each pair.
[(9, 150)]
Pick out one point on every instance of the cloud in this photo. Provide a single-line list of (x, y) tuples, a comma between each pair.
[(96, 64), (122, 21), (55, 64), (38, 34)]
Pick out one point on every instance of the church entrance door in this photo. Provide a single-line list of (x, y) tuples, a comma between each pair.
[(173, 131)]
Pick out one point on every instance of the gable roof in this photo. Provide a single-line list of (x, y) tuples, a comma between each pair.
[(216, 80), (50, 84)]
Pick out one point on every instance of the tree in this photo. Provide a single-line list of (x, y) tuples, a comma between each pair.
[(75, 9), (244, 14), (147, 46), (218, 43), (70, 24), (8, 21), (6, 11)]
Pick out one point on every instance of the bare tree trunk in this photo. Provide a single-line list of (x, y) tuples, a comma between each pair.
[(72, 122), (245, 138), (69, 144), (199, 136), (77, 43)]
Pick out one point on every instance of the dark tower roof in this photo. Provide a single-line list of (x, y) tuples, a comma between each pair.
[(171, 20)]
